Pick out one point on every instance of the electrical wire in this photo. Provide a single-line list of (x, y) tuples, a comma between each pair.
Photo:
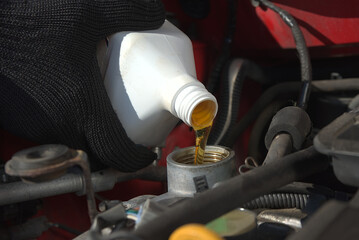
[(303, 53)]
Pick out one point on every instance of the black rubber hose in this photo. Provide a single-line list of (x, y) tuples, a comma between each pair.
[(305, 64), (234, 192), (236, 71), (265, 99), (229, 102), (213, 80), (282, 89), (278, 201), (260, 127)]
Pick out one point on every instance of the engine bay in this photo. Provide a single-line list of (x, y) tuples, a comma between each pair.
[(281, 160)]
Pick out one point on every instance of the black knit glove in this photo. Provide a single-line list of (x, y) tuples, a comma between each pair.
[(51, 89)]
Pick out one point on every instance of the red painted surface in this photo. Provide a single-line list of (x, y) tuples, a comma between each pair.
[(201, 59), (330, 27), (10, 144), (323, 23)]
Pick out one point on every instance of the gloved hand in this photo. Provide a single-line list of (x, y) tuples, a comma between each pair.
[(51, 89)]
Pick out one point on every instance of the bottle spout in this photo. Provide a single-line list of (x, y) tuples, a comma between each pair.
[(195, 106)]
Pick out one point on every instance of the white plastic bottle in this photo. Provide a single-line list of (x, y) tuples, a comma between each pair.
[(150, 78)]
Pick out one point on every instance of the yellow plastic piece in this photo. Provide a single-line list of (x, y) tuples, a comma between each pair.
[(236, 222), (194, 232)]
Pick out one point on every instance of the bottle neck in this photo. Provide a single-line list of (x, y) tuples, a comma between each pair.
[(195, 106)]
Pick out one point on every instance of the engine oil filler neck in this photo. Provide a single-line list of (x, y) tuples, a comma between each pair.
[(185, 178)]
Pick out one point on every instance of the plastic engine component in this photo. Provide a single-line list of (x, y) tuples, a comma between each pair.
[(340, 140)]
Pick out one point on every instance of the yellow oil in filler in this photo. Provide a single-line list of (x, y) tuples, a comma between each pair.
[(202, 119)]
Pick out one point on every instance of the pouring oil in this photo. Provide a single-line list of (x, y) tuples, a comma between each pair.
[(201, 142), (202, 119)]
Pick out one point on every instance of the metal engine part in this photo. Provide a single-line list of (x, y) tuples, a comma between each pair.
[(47, 162), (186, 179)]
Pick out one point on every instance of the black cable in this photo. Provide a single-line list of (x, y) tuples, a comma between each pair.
[(305, 64), (234, 192), (215, 74)]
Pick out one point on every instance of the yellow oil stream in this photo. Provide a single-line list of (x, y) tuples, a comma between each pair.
[(201, 142), (202, 119)]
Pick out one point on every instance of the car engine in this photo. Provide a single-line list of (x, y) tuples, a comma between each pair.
[(282, 158)]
